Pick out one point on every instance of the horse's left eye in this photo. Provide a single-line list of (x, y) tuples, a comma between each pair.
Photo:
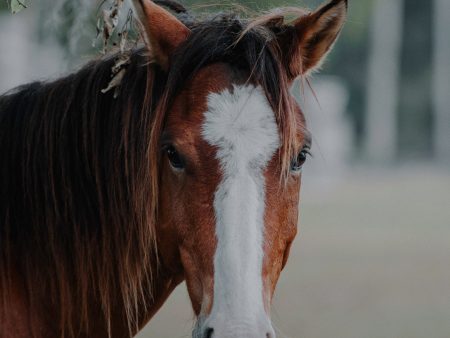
[(174, 158), (297, 162)]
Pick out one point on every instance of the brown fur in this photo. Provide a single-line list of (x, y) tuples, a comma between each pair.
[(88, 197)]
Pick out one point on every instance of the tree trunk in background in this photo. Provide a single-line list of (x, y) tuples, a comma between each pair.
[(384, 79), (441, 80)]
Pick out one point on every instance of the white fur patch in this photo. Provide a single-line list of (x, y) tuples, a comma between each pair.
[(241, 124)]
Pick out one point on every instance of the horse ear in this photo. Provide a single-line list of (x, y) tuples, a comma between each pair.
[(163, 32), (312, 37)]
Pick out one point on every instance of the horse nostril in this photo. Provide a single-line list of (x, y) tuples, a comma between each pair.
[(269, 335), (209, 332)]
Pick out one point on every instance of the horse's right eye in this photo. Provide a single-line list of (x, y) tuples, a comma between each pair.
[(174, 158)]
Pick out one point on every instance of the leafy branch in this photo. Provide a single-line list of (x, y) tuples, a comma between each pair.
[(107, 27), (113, 34), (16, 5)]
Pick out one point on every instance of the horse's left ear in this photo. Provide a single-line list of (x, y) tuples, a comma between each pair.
[(311, 38), (163, 31)]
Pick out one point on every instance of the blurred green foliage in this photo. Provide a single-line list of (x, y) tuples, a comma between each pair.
[(15, 6)]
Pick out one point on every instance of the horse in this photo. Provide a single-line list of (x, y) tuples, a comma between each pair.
[(190, 171)]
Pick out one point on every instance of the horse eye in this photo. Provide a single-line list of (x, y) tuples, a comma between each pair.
[(297, 163), (174, 158)]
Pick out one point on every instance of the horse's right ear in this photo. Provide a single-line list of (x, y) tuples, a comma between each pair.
[(163, 31)]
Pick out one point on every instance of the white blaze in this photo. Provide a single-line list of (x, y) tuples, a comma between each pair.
[(241, 124)]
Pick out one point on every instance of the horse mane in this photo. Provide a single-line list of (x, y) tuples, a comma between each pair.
[(79, 169), (76, 188)]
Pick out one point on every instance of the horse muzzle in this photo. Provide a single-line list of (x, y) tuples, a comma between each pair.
[(222, 328)]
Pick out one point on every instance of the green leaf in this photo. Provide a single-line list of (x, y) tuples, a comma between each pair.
[(17, 6)]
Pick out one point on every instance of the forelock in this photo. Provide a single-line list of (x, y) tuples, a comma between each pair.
[(250, 47)]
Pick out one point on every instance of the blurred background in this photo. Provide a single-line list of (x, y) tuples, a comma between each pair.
[(372, 259)]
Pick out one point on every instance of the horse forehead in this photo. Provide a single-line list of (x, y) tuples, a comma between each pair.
[(241, 123)]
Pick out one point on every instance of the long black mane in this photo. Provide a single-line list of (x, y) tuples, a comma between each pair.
[(79, 168)]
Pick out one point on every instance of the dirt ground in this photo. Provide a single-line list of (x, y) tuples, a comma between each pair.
[(372, 261)]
